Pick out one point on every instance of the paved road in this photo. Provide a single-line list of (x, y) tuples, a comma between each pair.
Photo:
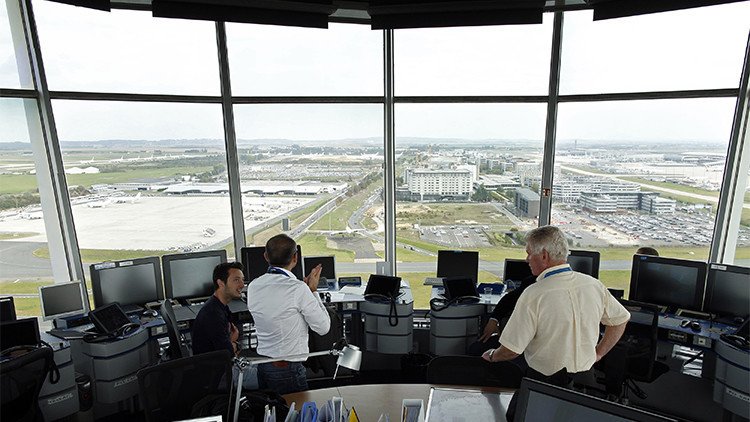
[(17, 261)]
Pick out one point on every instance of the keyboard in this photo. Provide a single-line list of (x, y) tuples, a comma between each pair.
[(67, 334), (433, 281)]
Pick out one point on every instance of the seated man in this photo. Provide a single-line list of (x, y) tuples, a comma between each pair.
[(283, 309), (504, 308), (213, 328)]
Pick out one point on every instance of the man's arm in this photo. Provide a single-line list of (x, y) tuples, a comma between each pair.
[(315, 312), (612, 334), (500, 354)]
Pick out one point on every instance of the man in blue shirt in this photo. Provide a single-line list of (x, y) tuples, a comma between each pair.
[(213, 328)]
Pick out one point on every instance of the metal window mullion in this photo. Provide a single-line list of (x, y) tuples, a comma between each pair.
[(230, 141), (731, 196), (389, 154), (66, 239), (548, 162)]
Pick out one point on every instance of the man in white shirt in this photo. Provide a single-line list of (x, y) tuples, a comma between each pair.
[(555, 323), (283, 309)]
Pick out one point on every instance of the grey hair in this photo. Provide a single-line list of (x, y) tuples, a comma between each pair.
[(550, 239)]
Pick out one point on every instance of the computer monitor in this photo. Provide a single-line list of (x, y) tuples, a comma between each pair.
[(538, 401), (256, 265), (61, 300), (462, 288), (7, 309), (728, 291), (382, 286), (671, 282), (328, 262), (189, 275), (132, 282), (20, 332), (458, 264), (516, 270), (586, 262)]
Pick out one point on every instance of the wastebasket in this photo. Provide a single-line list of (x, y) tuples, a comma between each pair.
[(414, 367)]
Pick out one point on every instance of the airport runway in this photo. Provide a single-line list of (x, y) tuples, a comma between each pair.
[(18, 262)]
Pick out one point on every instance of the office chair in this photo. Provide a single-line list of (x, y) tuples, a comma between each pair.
[(178, 347), (634, 356), (471, 370), (168, 391), (21, 379)]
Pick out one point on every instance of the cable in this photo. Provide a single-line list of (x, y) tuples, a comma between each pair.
[(54, 373), (393, 313)]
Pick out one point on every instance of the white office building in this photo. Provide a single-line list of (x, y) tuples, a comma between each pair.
[(439, 184)]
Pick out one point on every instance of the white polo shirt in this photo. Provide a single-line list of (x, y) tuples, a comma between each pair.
[(283, 308), (556, 321)]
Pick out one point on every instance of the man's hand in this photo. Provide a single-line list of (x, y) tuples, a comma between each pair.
[(489, 330), (234, 334), (314, 277)]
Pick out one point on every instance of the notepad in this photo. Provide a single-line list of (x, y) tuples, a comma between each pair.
[(353, 290)]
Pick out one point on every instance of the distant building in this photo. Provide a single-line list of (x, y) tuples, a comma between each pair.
[(78, 170), (659, 205), (599, 203), (527, 172), (527, 202), (432, 185)]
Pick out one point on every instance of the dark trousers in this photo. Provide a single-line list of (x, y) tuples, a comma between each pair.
[(561, 378)]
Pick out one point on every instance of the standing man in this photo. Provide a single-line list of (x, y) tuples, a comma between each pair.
[(556, 321), (284, 308), (213, 328)]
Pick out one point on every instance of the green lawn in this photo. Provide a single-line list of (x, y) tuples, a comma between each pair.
[(442, 214), (315, 245), (674, 186), (19, 183), (16, 235), (101, 255), (338, 218)]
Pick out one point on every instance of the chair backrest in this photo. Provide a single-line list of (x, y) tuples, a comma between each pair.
[(21, 379), (169, 390), (472, 370), (318, 343), (177, 348), (640, 339)]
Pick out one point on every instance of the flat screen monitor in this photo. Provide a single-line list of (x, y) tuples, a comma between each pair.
[(61, 300), (328, 263), (675, 283), (20, 332), (460, 288), (382, 286), (7, 309), (458, 264), (256, 265), (728, 291), (586, 262), (538, 401), (131, 283), (189, 275), (516, 270)]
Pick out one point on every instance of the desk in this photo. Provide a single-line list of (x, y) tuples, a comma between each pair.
[(373, 399)]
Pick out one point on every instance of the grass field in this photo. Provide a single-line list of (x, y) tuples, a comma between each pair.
[(442, 214), (315, 245), (101, 255), (16, 235), (338, 218), (673, 186), (19, 183)]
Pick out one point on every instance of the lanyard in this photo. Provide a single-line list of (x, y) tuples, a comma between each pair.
[(558, 271), (275, 270)]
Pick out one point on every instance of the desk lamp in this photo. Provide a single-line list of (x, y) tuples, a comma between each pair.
[(349, 356)]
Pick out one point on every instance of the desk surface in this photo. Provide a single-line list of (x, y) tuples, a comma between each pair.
[(371, 400)]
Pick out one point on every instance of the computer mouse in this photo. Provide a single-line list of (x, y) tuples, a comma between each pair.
[(695, 326)]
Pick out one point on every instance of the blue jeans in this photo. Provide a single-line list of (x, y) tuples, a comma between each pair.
[(249, 377), (283, 380)]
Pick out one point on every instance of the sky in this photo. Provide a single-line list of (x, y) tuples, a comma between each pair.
[(131, 52)]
